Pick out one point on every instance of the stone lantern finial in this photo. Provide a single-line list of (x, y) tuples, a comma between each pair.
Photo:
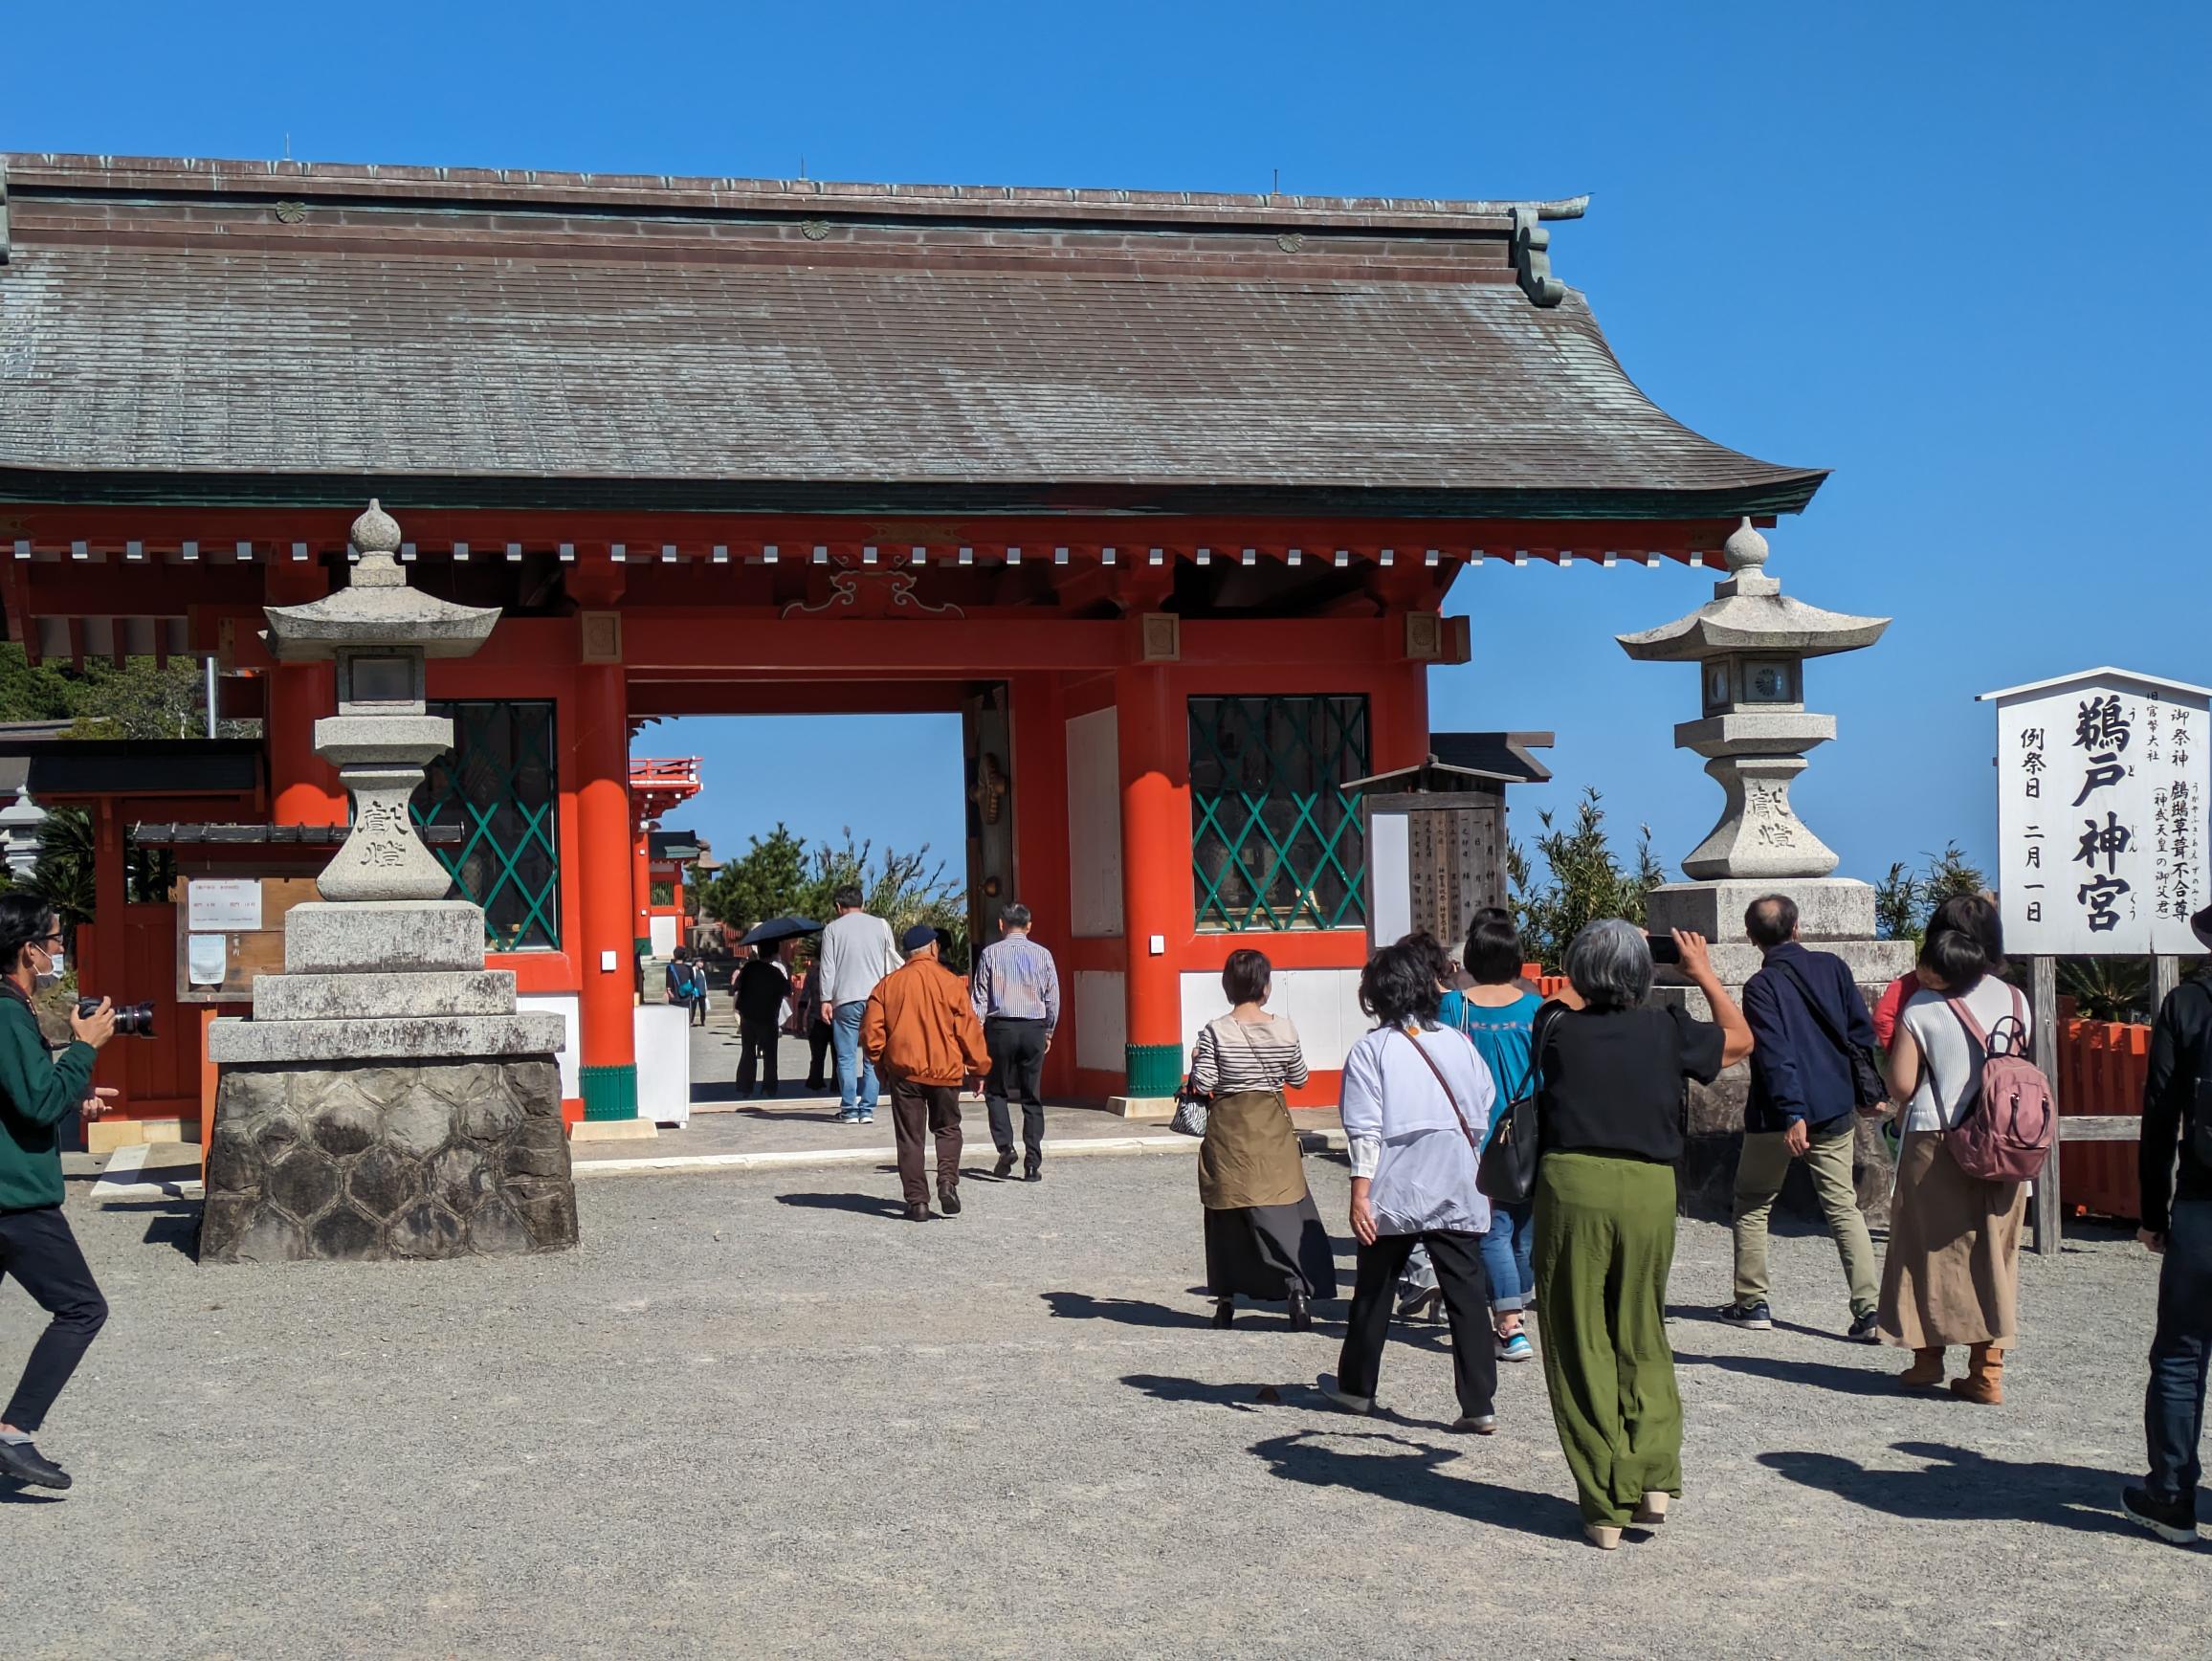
[(1745, 550), (377, 532)]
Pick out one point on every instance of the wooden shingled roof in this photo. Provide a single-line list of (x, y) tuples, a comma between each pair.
[(181, 331)]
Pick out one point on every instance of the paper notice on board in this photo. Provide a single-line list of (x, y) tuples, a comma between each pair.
[(205, 957), (228, 902)]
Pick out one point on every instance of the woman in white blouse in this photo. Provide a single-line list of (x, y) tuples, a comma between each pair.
[(1416, 1103)]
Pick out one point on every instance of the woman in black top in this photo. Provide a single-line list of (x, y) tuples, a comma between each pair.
[(1610, 1078)]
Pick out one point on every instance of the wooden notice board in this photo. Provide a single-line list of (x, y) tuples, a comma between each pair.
[(238, 913)]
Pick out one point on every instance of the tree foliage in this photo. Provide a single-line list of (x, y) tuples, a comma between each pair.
[(779, 874), (134, 700), (1906, 899), (1582, 880)]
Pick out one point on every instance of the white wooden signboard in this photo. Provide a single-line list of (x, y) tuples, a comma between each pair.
[(2102, 784)]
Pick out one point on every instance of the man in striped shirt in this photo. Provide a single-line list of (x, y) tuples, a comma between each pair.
[(1017, 997)]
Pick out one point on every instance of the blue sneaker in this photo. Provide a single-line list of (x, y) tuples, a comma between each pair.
[(844, 1118), (1517, 1348), (1750, 1317)]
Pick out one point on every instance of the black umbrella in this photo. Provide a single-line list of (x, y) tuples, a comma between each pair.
[(780, 928)]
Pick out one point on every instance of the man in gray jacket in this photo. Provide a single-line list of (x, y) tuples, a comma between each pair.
[(857, 951)]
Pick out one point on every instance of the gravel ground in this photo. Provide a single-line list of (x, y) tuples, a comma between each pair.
[(757, 1414)]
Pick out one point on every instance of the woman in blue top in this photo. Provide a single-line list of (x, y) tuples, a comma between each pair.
[(1497, 1014)]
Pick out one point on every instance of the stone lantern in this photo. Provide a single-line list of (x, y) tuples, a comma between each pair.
[(1750, 643), (386, 1099), (19, 823)]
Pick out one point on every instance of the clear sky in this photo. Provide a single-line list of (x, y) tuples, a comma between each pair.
[(1956, 252)]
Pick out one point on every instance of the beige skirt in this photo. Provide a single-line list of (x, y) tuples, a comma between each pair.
[(1249, 1156), (1952, 1275)]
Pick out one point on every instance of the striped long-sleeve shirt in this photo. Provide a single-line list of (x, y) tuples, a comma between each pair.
[(1015, 979), (1232, 1055)]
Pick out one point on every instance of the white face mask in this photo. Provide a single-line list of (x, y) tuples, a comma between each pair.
[(52, 971)]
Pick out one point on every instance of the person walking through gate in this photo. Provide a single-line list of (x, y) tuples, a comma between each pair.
[(1609, 1084), (760, 988), (857, 951), (685, 983), (921, 1028), (39, 1091), (1951, 1275), (1263, 1236), (1416, 1104), (2177, 1222), (1806, 1017), (1017, 997)]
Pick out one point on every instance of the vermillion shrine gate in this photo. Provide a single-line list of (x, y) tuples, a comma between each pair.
[(1164, 492)]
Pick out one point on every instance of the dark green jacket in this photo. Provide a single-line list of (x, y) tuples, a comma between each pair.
[(37, 1091)]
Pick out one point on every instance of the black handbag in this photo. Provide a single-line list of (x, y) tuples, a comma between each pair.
[(1507, 1172), (1868, 1082)]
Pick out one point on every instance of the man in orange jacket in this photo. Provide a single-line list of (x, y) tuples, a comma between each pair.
[(922, 1032)]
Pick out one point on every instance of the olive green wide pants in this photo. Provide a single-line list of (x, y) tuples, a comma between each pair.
[(1605, 1243)]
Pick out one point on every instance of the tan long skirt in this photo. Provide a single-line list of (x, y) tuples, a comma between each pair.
[(1952, 1275)]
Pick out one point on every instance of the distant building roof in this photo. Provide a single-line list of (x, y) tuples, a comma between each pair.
[(680, 846), (1456, 760), (183, 331)]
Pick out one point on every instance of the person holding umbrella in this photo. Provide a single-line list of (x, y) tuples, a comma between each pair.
[(763, 983)]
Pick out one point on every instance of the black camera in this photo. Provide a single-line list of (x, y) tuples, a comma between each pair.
[(131, 1020)]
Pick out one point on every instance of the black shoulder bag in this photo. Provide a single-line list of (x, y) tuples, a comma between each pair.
[(1507, 1171), (1868, 1084)]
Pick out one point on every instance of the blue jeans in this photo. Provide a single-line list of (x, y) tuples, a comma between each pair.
[(2173, 1405), (1505, 1257), (856, 1087)]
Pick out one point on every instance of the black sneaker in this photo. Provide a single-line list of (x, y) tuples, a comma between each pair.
[(1005, 1165), (2173, 1520), (1033, 1171), (1865, 1328), (24, 1463), (1750, 1317)]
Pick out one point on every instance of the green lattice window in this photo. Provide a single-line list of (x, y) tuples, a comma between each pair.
[(1274, 840), (499, 782)]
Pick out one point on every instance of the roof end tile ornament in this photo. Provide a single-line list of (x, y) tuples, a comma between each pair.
[(1532, 244)]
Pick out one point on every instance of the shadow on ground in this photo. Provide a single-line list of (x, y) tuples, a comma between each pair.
[(1961, 1485), (1819, 1375), (1398, 1468), (866, 1205)]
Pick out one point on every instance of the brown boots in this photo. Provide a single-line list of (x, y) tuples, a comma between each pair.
[(1984, 1380), (1926, 1371)]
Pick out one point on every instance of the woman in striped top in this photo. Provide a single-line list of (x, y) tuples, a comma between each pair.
[(1263, 1236)]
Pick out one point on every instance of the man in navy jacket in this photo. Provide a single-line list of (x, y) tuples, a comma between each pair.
[(1803, 1104)]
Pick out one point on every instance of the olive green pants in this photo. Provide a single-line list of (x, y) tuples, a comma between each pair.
[(1605, 1243)]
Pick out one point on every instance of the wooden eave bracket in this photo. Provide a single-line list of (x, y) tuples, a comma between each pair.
[(1532, 259)]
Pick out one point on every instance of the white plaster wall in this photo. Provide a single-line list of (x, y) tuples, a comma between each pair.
[(662, 1035), (1095, 826), (1389, 875), (568, 1006), (663, 932), (1322, 1004), (1101, 1020)]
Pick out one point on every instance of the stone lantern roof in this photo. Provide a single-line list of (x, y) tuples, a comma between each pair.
[(377, 608), (1749, 613)]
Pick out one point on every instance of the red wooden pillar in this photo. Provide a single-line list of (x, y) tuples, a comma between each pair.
[(303, 788), (608, 1069), (1156, 900), (641, 891), (1039, 734), (100, 968)]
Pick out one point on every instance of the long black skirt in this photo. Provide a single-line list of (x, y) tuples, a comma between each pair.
[(1263, 1251)]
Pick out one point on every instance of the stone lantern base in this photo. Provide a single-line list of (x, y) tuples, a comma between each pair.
[(385, 1100), (1834, 914)]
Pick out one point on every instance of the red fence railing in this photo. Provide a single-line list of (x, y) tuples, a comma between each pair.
[(2101, 1068)]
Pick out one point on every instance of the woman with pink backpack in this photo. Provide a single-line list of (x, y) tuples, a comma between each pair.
[(1952, 1273)]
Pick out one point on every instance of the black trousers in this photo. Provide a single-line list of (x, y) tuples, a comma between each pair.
[(37, 1249), (757, 1051), (699, 1009), (1017, 1049), (1466, 1289), (818, 1037)]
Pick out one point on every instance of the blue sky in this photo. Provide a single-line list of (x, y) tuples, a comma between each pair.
[(1955, 253)]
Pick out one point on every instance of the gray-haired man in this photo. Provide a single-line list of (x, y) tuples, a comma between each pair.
[(1017, 996)]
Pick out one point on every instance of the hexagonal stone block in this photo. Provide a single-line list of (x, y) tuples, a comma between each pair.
[(486, 1117), (302, 1183), (344, 1232), (457, 1176), (271, 1238), (425, 1229), (498, 1228), (534, 1087), (383, 1181), (464, 1083), (274, 1137), (418, 1123), (549, 1211), (344, 1122), (224, 1219), (233, 1160), (252, 1094), (386, 1085)]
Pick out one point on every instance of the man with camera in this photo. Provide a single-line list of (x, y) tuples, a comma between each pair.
[(1809, 1020), (38, 1093)]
